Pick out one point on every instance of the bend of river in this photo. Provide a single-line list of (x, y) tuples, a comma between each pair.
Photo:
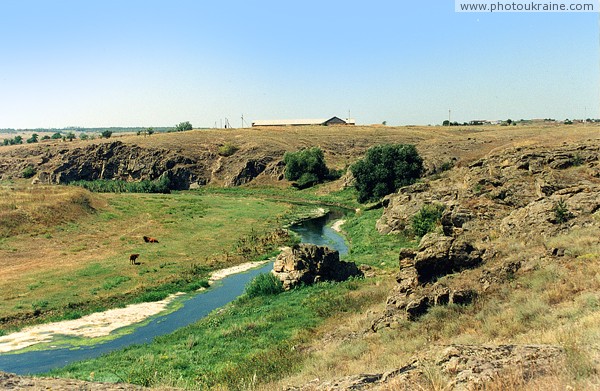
[(198, 306)]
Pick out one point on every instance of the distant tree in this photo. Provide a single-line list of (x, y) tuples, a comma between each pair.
[(56, 136), (384, 169), (106, 134), (33, 139), (70, 136), (307, 167), (150, 131), (18, 140), (183, 126), (384, 123), (446, 123), (509, 121), (46, 137), (83, 136)]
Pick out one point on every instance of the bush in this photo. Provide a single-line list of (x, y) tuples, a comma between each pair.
[(561, 212), (385, 169), (426, 219), (307, 167), (161, 185), (29, 172), (265, 284), (106, 134), (227, 150)]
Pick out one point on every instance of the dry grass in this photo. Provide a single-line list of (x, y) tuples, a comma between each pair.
[(31, 209), (552, 301)]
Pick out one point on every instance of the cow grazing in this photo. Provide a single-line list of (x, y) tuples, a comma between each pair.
[(132, 259), (148, 239)]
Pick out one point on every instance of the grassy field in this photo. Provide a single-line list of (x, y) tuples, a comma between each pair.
[(76, 257), (258, 340)]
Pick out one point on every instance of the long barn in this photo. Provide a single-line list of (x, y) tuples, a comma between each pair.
[(305, 122)]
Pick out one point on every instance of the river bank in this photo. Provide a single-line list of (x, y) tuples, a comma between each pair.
[(102, 324)]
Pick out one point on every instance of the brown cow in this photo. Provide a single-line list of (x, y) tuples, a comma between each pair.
[(148, 239), (132, 259)]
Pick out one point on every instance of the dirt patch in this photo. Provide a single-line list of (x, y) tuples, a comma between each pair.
[(14, 382)]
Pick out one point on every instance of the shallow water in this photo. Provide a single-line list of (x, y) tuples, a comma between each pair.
[(195, 308)]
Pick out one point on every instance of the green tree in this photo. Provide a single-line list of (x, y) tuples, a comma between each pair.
[(306, 166), (84, 136), (56, 136), (70, 136), (384, 169), (183, 126), (33, 139), (106, 134)]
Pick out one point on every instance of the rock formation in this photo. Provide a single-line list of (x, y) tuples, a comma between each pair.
[(513, 194), (129, 162), (470, 367), (308, 263)]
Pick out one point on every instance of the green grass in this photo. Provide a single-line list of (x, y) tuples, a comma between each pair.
[(368, 246), (252, 338), (198, 233)]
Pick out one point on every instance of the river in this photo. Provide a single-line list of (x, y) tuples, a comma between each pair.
[(314, 231)]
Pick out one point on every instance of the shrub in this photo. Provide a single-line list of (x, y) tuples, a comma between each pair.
[(161, 185), (385, 169), (306, 166), (106, 134), (561, 212), (28, 172), (227, 150), (265, 284), (426, 219), (183, 126)]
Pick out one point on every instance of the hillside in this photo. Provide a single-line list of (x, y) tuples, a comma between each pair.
[(194, 158), (502, 295)]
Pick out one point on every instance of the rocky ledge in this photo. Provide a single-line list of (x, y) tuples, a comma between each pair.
[(465, 367), (308, 264)]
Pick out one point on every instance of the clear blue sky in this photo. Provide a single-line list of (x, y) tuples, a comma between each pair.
[(156, 63)]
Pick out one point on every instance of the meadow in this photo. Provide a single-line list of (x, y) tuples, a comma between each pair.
[(67, 253)]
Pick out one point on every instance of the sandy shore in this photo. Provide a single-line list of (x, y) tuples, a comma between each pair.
[(101, 324), (337, 226)]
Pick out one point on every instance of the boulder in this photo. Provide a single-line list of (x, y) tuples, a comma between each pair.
[(308, 263), (439, 255)]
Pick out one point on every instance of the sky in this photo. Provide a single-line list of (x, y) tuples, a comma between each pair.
[(127, 63)]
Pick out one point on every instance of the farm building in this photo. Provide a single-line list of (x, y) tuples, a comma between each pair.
[(305, 122)]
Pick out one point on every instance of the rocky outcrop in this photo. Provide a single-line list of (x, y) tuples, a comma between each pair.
[(116, 160), (417, 289), (523, 183), (130, 162), (514, 194), (464, 367), (308, 264)]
